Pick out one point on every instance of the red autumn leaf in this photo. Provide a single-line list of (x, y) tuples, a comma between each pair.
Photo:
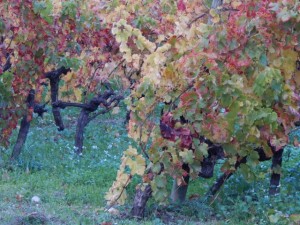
[(183, 132), (186, 141), (181, 6), (167, 119)]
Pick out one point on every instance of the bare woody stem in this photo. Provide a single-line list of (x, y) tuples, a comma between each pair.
[(54, 77)]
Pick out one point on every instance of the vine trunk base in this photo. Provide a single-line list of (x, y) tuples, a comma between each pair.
[(179, 192), (142, 195)]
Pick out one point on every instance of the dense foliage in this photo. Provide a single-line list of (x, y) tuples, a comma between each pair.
[(229, 72)]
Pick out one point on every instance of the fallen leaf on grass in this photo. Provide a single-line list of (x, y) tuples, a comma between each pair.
[(114, 211), (19, 197), (194, 196)]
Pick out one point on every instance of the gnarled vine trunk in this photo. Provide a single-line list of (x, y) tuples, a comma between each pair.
[(22, 136), (108, 99), (55, 110), (25, 124), (54, 77), (24, 128), (140, 201)]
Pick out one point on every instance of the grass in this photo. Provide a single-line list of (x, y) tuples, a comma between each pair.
[(72, 188)]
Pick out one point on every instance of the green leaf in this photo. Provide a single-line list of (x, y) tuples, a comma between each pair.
[(160, 181), (204, 149), (5, 86), (246, 172), (253, 159), (44, 9), (165, 159), (159, 188), (229, 149), (67, 62), (69, 8), (156, 168), (226, 100), (160, 195), (268, 84), (2, 26), (232, 160), (233, 111), (263, 60), (233, 45), (187, 156)]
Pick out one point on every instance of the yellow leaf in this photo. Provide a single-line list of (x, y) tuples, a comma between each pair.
[(78, 95), (47, 97), (67, 77), (173, 154), (131, 151), (33, 86), (289, 57), (122, 177), (216, 19), (63, 89), (255, 132), (136, 166), (297, 77), (116, 195), (277, 62), (38, 97), (213, 13), (136, 61), (134, 161), (236, 4), (117, 192)]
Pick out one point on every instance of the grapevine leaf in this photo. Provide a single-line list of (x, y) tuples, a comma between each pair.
[(187, 156)]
